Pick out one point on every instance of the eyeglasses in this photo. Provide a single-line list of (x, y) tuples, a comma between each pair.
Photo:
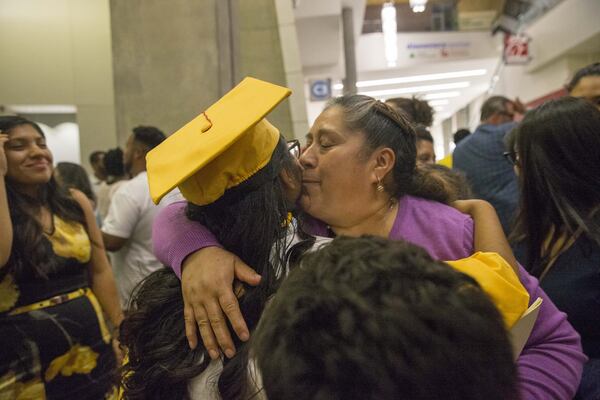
[(512, 157), (294, 148)]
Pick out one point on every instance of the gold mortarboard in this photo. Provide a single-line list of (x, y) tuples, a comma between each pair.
[(220, 148)]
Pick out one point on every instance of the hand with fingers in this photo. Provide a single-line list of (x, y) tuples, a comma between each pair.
[(209, 300)]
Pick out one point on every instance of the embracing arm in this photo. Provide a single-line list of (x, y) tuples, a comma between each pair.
[(551, 362), (6, 230), (175, 237), (488, 233), (102, 279), (207, 274)]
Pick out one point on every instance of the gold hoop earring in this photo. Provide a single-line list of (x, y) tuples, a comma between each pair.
[(380, 187)]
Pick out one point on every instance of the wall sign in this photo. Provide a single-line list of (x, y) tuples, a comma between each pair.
[(516, 49), (320, 89)]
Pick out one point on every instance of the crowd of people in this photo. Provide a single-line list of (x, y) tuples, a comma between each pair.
[(235, 264)]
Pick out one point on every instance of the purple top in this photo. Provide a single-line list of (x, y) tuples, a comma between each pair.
[(549, 366)]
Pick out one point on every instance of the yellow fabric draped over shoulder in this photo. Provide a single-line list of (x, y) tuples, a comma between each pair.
[(70, 240), (497, 278)]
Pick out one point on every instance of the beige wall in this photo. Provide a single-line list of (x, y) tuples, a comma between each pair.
[(167, 68), (165, 60), (124, 63), (59, 52)]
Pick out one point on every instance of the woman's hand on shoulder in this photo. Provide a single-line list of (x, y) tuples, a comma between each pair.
[(207, 280)]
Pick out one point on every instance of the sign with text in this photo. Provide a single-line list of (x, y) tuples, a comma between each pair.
[(438, 50), (516, 49)]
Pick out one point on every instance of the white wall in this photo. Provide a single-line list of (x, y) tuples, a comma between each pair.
[(63, 142), (562, 28)]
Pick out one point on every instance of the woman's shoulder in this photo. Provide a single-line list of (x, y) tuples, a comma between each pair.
[(443, 231), (434, 210)]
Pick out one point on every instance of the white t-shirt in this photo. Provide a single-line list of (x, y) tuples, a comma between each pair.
[(96, 183), (104, 196), (130, 215)]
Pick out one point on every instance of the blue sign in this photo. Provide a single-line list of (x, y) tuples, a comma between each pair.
[(320, 89)]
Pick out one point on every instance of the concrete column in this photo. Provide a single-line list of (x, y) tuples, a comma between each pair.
[(349, 51), (294, 76), (168, 70), (166, 62), (447, 133), (261, 53)]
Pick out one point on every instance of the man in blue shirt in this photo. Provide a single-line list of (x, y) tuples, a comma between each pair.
[(480, 157)]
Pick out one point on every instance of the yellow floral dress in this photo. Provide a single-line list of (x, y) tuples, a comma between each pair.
[(54, 343)]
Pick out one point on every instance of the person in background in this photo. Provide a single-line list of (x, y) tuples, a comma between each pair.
[(97, 164), (115, 177), (418, 112), (441, 184), (73, 176), (127, 229), (556, 151), (368, 318), (480, 158), (458, 136), (55, 280), (425, 150), (586, 84)]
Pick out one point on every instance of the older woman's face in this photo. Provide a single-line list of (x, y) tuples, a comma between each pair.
[(29, 159), (337, 178)]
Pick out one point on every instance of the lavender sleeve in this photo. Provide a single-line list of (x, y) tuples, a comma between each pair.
[(174, 236), (551, 363)]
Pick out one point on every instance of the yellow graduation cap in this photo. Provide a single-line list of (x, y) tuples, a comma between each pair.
[(220, 148), (497, 278)]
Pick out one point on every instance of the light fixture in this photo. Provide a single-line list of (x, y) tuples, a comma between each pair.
[(442, 95), (42, 108), (440, 102), (390, 31), (418, 6), (422, 78), (417, 89)]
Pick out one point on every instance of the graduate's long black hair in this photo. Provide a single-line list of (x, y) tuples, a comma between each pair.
[(248, 221)]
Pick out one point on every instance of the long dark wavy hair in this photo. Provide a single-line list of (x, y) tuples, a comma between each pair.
[(247, 221), (558, 145), (29, 257)]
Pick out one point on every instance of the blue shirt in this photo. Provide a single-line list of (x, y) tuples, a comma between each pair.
[(490, 175)]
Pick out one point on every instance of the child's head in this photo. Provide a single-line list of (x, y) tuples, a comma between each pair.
[(368, 318)]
